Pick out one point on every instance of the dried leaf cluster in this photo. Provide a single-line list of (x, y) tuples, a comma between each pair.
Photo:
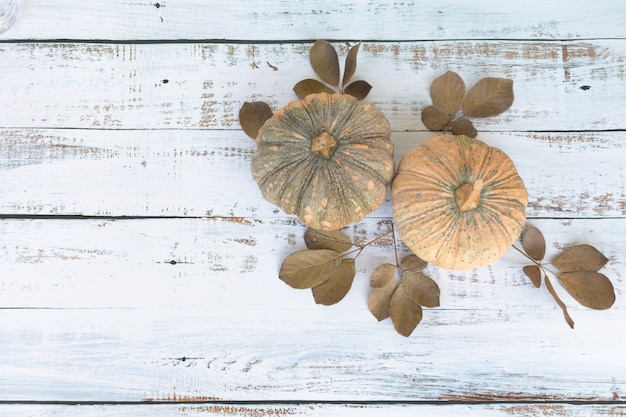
[(578, 272), (451, 106)]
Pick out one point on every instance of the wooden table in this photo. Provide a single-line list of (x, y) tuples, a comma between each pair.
[(139, 261)]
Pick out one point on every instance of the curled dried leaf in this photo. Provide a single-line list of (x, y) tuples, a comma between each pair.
[(327, 239), (412, 263), (325, 62), (350, 66), (490, 96), (379, 300), (448, 92), (435, 118), (405, 314), (421, 289), (591, 289), (335, 288), (310, 86), (383, 275), (358, 89), (534, 243), (464, 126), (534, 273), (580, 258), (560, 303), (309, 268), (252, 116)]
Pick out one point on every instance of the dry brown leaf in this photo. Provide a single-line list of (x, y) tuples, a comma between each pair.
[(534, 243), (561, 304), (379, 300), (448, 92), (435, 118), (358, 89), (421, 289), (337, 286), (325, 62), (309, 268), (327, 239), (412, 263), (310, 86), (464, 126), (591, 289), (580, 258), (252, 115), (490, 96), (534, 273), (350, 66), (405, 314), (383, 275)]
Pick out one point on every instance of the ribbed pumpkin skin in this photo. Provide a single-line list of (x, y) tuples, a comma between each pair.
[(429, 219), (326, 192)]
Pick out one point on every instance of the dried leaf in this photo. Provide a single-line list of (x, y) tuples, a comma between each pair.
[(337, 286), (383, 275), (534, 243), (379, 300), (591, 289), (350, 66), (405, 314), (448, 92), (534, 273), (309, 268), (358, 89), (489, 97), (561, 304), (421, 289), (310, 86), (580, 258), (252, 115), (464, 126), (325, 62), (435, 118), (412, 263), (327, 239)]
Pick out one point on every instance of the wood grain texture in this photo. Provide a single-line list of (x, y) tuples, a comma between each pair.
[(309, 20), (559, 86)]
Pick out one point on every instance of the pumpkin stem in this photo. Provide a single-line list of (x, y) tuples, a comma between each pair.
[(324, 145), (467, 196)]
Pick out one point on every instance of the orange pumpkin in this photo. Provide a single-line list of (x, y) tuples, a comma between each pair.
[(327, 158), (458, 202)]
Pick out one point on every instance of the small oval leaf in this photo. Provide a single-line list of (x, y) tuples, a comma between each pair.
[(489, 97), (358, 89), (310, 86), (379, 300), (383, 275), (591, 289), (412, 263), (534, 243), (350, 65), (405, 314), (309, 268), (421, 289), (435, 118), (327, 239), (464, 126), (252, 116), (580, 258), (325, 62), (448, 92), (533, 272), (335, 288)]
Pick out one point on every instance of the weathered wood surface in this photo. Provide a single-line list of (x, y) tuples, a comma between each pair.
[(139, 261)]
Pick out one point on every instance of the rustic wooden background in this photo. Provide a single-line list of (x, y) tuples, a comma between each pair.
[(139, 261)]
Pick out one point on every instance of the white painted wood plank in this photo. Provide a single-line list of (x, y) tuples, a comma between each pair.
[(272, 20), (314, 409), (560, 86), (207, 173)]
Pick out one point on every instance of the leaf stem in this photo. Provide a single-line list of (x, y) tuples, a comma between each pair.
[(360, 249), (561, 304)]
